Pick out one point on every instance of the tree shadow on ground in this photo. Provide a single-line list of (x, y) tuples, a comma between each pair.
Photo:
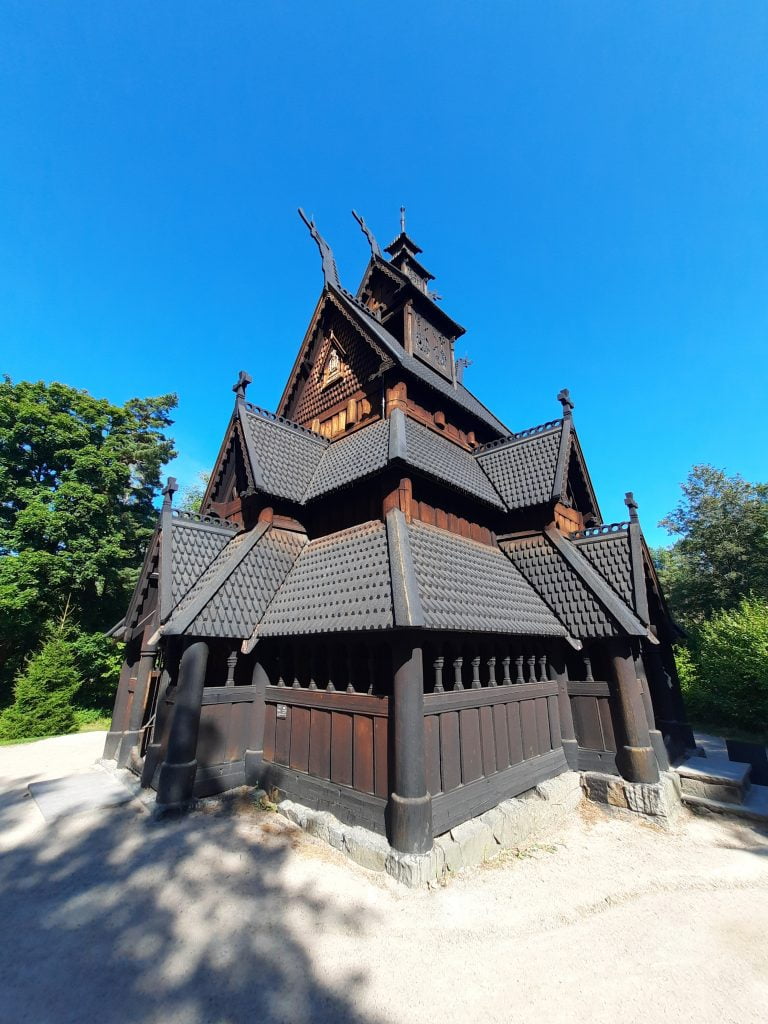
[(116, 917)]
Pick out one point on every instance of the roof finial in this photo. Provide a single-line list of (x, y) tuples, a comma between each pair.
[(629, 501), (564, 398), (242, 382), (330, 273), (375, 248), (461, 364), (402, 220), (171, 486)]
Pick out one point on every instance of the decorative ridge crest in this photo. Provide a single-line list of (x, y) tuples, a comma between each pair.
[(375, 247), (198, 517), (521, 435), (330, 271), (599, 531), (266, 415)]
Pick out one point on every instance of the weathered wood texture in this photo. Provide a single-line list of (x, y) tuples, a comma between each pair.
[(475, 734), (592, 716), (224, 725), (339, 737)]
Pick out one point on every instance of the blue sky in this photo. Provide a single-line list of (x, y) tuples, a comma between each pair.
[(588, 182)]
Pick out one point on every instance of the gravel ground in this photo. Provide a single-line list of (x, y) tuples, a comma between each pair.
[(233, 915)]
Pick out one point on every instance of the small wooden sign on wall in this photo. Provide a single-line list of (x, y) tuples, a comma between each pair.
[(282, 710)]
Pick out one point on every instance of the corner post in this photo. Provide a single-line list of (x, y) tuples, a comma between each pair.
[(635, 757), (558, 672), (410, 805), (177, 773), (254, 755), (168, 678), (138, 706)]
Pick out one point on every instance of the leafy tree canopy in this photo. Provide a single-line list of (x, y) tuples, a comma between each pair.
[(78, 476), (721, 554)]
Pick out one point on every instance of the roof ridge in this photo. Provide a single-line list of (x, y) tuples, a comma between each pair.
[(522, 435), (265, 414), (598, 531)]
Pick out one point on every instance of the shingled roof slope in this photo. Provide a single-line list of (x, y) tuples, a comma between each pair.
[(523, 469), (195, 541), (350, 458), (284, 455), (339, 582), (562, 588), (610, 554), (444, 460), (464, 585), (233, 592)]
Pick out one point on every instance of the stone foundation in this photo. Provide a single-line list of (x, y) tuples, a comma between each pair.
[(480, 839), (658, 801)]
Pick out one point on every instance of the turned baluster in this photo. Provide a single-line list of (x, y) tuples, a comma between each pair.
[(507, 680), (519, 667), (492, 671), (543, 668), (476, 684), (532, 669), (588, 669), (231, 663), (457, 663), (438, 667)]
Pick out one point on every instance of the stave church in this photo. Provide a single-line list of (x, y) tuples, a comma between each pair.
[(391, 606)]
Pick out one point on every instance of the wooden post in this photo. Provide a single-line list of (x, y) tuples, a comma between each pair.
[(177, 773), (254, 755), (410, 805), (141, 690), (657, 740), (168, 677), (635, 758), (558, 672)]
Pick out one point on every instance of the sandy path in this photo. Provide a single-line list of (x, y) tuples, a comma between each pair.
[(109, 916)]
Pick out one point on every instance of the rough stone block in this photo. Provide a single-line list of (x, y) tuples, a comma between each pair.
[(365, 848), (476, 841), (318, 824), (413, 870), (451, 853)]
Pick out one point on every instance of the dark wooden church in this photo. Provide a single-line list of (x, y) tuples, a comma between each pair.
[(391, 606)]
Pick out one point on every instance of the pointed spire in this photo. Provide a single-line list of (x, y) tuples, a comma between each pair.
[(242, 382), (375, 247), (171, 486), (564, 398), (402, 220), (330, 273), (629, 501)]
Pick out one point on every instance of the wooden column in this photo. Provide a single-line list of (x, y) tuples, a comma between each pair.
[(168, 677), (254, 755), (122, 701), (558, 671), (410, 805), (177, 772), (657, 740), (635, 758), (138, 706)]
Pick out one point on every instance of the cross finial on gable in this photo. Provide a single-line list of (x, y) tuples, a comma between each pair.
[(242, 382), (629, 501), (171, 486), (564, 398)]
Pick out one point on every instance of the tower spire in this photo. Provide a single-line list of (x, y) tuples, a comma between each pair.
[(402, 220)]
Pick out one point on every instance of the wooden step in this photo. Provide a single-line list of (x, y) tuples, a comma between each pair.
[(714, 778), (754, 808)]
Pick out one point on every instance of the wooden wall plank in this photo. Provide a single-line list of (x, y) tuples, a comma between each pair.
[(269, 732), (300, 724), (501, 736), (450, 751), (554, 722), (529, 729), (606, 722), (542, 725), (432, 753), (283, 738), (319, 743), (381, 757), (341, 748), (515, 733), (362, 763), (586, 721), (471, 756), (487, 741)]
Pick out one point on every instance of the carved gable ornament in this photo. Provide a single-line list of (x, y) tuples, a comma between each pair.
[(334, 366)]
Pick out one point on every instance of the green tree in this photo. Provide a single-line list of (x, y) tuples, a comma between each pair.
[(721, 554), (78, 477), (192, 496), (43, 692)]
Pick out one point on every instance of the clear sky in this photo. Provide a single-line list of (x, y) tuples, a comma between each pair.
[(589, 183)]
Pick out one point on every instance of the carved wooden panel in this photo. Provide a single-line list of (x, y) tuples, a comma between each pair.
[(431, 346)]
